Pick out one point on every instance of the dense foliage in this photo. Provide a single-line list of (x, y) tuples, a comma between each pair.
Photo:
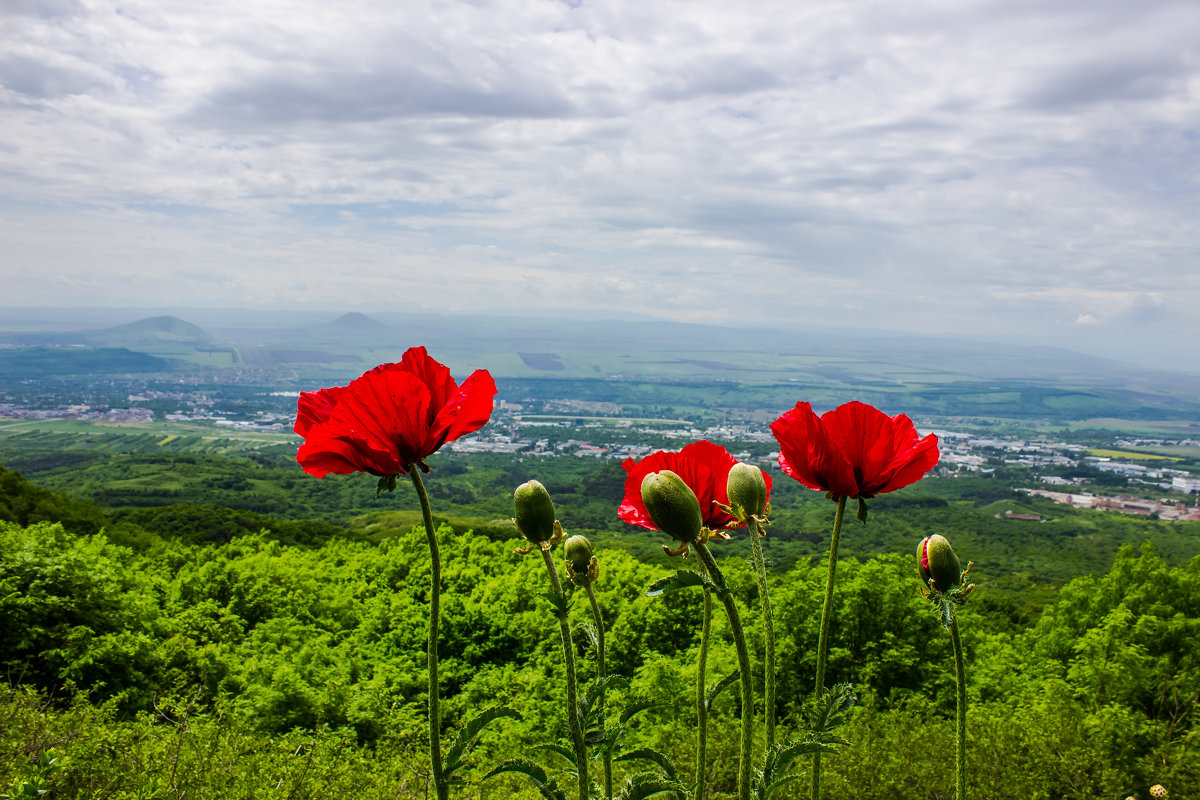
[(154, 659)]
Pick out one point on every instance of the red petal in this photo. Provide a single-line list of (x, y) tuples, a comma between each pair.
[(703, 466), (632, 509), (713, 483), (884, 451), (322, 454), (866, 437), (810, 455), (434, 374), (910, 466), (313, 408), (469, 409), (385, 411)]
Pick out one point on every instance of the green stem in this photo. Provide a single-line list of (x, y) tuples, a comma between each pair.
[(823, 642), (573, 721), (702, 700), (743, 654), (760, 572), (601, 673), (431, 643), (960, 748)]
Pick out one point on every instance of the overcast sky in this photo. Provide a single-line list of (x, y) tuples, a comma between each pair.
[(1019, 168)]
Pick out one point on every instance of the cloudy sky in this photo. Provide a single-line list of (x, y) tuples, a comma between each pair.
[(1013, 169)]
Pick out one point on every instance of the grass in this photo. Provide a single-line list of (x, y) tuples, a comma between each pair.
[(165, 432), (1132, 455), (1170, 428)]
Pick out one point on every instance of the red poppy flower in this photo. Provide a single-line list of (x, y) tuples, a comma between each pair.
[(703, 466), (390, 418), (855, 450)]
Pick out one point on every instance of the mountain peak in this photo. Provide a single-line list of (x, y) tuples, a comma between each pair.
[(354, 322)]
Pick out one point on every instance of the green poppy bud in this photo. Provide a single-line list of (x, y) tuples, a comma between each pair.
[(936, 559), (534, 512), (579, 553), (747, 487), (672, 505)]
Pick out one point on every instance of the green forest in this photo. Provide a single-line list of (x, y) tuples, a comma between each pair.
[(177, 623)]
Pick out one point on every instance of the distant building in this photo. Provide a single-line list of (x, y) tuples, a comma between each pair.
[(1188, 485), (1010, 514)]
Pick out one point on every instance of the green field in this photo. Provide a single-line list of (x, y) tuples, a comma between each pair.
[(1131, 455)]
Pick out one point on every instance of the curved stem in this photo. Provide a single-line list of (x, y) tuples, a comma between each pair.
[(743, 654), (431, 643), (601, 673), (823, 642), (702, 699), (760, 572), (960, 746), (573, 721)]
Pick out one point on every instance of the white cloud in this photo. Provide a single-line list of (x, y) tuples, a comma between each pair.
[(944, 166), (1086, 319)]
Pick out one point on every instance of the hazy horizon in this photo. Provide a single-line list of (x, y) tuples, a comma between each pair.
[(1008, 172)]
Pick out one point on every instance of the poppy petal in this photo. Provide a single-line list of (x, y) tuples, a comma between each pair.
[(703, 466), (390, 417), (469, 409), (387, 411), (866, 437), (854, 450), (436, 377), (323, 453), (810, 455), (911, 465), (313, 408)]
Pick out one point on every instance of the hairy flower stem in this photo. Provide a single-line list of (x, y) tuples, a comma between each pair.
[(573, 721), (760, 572), (960, 747), (601, 674), (823, 642), (431, 644), (743, 654), (702, 699)]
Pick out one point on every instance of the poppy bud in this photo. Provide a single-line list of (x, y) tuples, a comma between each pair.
[(579, 553), (936, 560), (672, 505), (747, 487), (534, 512)]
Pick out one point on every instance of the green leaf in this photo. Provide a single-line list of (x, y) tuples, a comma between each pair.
[(769, 791), (558, 749), (596, 689), (647, 784), (545, 786), (718, 687), (678, 580), (473, 728), (862, 511), (557, 602), (646, 754), (830, 709), (634, 709)]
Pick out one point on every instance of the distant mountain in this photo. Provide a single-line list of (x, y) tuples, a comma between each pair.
[(150, 332), (356, 324)]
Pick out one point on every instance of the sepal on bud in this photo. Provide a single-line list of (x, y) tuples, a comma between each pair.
[(945, 582), (387, 483), (583, 566)]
